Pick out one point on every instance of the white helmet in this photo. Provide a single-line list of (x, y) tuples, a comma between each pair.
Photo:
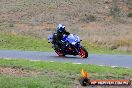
[(60, 28)]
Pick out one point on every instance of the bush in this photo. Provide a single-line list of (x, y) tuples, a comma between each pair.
[(11, 25), (129, 15), (114, 10), (129, 3)]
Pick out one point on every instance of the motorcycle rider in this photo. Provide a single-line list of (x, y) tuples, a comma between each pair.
[(58, 35)]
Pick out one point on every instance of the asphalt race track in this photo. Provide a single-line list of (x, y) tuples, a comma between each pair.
[(97, 59)]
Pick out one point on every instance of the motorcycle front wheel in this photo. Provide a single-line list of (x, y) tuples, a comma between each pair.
[(83, 52), (60, 53)]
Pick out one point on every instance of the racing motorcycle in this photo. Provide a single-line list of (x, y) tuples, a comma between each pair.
[(73, 46)]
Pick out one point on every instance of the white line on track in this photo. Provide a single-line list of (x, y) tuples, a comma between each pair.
[(72, 63), (35, 60), (76, 63)]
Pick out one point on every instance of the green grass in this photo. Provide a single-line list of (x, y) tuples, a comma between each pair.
[(18, 42), (55, 75), (32, 82), (94, 48)]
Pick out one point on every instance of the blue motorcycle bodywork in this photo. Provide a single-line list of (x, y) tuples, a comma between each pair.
[(73, 40), (70, 46)]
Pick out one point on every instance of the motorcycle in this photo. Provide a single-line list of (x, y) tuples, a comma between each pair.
[(72, 44)]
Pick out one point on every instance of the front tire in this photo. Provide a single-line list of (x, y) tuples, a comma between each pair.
[(83, 52), (59, 53)]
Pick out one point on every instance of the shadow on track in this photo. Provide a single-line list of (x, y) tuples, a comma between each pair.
[(66, 57)]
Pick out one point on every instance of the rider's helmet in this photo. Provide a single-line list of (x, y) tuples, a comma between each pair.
[(60, 28)]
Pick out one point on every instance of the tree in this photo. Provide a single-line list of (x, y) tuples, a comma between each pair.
[(115, 10)]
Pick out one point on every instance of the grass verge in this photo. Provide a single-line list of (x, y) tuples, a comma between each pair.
[(94, 48), (55, 75), (18, 42)]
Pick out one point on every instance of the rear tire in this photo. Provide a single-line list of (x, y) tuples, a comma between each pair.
[(83, 52)]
